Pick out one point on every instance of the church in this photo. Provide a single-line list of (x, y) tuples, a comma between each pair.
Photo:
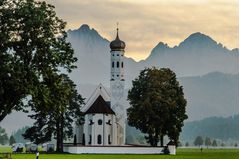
[(104, 112), (104, 127)]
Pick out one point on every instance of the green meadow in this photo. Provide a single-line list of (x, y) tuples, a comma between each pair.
[(181, 154)]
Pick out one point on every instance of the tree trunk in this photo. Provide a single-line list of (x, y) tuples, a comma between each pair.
[(59, 134), (62, 133), (58, 147), (161, 140)]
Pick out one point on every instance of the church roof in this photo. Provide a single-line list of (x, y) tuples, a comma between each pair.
[(100, 90), (100, 106), (117, 44)]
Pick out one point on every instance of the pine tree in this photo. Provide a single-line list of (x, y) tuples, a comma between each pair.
[(12, 140)]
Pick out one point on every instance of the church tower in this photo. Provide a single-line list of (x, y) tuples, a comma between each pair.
[(117, 88)]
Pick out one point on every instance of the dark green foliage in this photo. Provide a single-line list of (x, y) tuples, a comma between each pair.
[(60, 110), (32, 47), (213, 127), (3, 136), (198, 141), (12, 140), (208, 141), (34, 54), (214, 143), (157, 105)]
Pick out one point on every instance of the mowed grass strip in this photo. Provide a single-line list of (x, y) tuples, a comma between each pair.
[(5, 149), (181, 154)]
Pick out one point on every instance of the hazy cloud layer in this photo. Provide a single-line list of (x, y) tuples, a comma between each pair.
[(143, 23)]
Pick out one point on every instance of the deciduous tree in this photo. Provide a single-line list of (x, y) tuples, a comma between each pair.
[(208, 141), (214, 143), (61, 103), (158, 106), (3, 136), (32, 45), (198, 141)]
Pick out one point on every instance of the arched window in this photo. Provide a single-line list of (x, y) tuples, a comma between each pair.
[(117, 64), (122, 64), (90, 140), (99, 139), (100, 122), (113, 64), (83, 139), (109, 142)]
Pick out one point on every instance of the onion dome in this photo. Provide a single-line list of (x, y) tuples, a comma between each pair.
[(117, 44)]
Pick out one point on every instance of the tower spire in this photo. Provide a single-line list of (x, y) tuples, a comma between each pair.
[(117, 44), (117, 36)]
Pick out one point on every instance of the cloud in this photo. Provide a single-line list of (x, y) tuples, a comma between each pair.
[(143, 23)]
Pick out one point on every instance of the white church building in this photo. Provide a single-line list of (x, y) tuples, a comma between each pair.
[(104, 114), (104, 127)]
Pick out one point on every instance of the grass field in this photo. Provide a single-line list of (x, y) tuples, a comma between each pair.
[(181, 154)]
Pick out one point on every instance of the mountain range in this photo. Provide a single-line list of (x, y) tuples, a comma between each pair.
[(206, 69), (219, 128), (197, 55)]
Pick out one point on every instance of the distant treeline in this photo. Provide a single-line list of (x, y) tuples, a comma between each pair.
[(18, 135), (213, 127)]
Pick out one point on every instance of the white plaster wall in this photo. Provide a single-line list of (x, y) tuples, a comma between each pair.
[(94, 130), (172, 149), (117, 150), (98, 129), (117, 56), (79, 133)]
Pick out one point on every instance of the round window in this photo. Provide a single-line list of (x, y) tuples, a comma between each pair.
[(100, 122)]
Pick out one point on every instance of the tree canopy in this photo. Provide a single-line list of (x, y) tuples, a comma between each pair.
[(214, 143), (208, 141), (35, 62), (12, 140), (3, 136), (158, 106), (59, 112), (32, 47), (198, 141)]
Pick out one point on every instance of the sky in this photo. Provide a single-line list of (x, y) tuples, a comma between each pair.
[(144, 23)]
